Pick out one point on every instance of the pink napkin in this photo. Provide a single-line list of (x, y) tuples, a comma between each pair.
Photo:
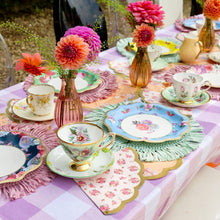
[(111, 190)]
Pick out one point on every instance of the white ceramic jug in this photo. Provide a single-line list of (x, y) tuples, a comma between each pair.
[(190, 49)]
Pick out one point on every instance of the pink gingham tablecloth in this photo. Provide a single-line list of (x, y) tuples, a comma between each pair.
[(63, 198)]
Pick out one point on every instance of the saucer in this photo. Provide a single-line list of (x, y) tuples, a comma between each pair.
[(22, 110), (58, 161), (170, 96)]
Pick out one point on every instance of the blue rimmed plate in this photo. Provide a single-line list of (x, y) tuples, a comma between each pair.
[(30, 153), (85, 80), (191, 23), (147, 122)]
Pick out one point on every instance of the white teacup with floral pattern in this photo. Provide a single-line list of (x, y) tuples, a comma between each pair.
[(188, 85), (41, 99), (81, 140)]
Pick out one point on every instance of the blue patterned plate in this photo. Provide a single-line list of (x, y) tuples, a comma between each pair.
[(31, 147), (191, 23), (147, 122)]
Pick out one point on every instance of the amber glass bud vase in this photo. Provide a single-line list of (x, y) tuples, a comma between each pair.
[(140, 72), (68, 105), (207, 36)]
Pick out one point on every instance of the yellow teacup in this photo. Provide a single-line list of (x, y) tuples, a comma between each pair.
[(41, 99)]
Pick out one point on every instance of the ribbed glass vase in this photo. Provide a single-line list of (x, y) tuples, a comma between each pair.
[(207, 36), (68, 105), (140, 72)]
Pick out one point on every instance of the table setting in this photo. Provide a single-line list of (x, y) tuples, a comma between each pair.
[(117, 138)]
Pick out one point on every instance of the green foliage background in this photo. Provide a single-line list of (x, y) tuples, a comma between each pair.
[(8, 7)]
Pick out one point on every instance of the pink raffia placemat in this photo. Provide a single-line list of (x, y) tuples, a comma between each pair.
[(105, 89), (120, 184), (42, 175), (198, 69)]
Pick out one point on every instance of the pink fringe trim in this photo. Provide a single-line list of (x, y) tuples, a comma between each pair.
[(40, 176), (106, 88), (168, 76)]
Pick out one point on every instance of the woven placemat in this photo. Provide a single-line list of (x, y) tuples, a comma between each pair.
[(105, 89), (165, 151)]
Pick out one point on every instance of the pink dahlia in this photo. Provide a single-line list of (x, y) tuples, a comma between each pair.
[(143, 35), (90, 37), (146, 12), (71, 52)]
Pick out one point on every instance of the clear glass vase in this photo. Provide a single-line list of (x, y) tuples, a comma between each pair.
[(207, 36), (140, 72), (68, 105)]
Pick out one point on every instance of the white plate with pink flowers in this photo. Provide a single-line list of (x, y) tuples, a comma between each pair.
[(152, 123)]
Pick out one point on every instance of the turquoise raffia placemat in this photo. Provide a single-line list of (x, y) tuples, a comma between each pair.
[(165, 151)]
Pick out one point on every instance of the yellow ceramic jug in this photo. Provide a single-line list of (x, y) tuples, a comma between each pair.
[(190, 49)]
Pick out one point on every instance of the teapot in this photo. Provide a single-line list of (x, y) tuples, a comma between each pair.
[(190, 49)]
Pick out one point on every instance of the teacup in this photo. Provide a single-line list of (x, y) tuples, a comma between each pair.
[(81, 141), (41, 99), (188, 85)]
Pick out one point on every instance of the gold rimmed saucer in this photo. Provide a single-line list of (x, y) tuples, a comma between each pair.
[(169, 95), (58, 161), (22, 110)]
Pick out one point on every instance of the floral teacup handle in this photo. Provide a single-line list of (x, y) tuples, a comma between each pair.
[(206, 83), (107, 136)]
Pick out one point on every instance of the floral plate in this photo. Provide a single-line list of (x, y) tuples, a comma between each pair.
[(167, 46), (58, 162), (215, 56), (30, 146), (191, 23), (170, 96), (22, 110), (147, 122), (85, 80)]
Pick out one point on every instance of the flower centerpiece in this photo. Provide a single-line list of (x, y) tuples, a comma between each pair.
[(80, 45), (144, 17), (211, 11)]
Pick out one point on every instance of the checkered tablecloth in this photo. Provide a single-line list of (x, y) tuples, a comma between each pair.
[(63, 198)]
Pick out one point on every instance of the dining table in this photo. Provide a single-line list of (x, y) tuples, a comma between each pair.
[(65, 198)]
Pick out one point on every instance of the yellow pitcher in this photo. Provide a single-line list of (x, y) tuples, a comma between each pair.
[(190, 49)]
